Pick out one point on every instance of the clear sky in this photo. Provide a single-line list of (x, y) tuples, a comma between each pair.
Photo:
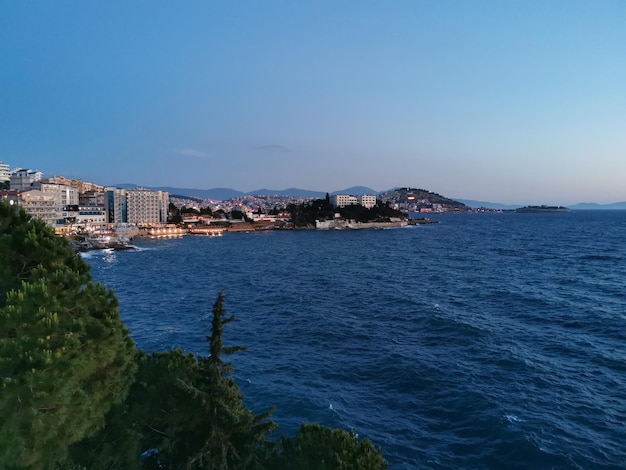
[(502, 101)]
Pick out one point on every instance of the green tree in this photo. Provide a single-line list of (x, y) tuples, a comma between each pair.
[(223, 432), (317, 447), (182, 412), (65, 355)]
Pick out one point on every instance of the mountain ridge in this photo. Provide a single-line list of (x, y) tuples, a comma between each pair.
[(224, 194)]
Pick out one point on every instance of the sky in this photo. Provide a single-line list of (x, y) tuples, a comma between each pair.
[(499, 101)]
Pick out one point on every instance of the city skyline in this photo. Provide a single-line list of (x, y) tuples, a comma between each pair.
[(492, 101)]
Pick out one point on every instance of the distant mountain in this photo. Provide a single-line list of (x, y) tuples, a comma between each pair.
[(355, 191), (216, 194), (584, 206), (291, 192), (488, 205), (589, 206), (224, 194), (421, 198)]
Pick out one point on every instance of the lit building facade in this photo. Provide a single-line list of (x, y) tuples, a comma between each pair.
[(136, 206), (147, 207)]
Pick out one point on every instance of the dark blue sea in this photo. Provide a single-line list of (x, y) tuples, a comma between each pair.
[(487, 341)]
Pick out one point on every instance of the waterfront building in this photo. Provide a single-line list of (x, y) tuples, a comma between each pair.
[(116, 207), (146, 207), (136, 206), (91, 216)]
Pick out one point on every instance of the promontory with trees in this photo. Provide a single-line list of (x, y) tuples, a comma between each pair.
[(75, 393)]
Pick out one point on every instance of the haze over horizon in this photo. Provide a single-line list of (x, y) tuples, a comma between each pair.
[(509, 102)]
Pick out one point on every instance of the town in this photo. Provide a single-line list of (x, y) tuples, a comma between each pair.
[(110, 216)]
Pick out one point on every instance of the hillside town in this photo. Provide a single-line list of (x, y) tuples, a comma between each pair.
[(74, 207)]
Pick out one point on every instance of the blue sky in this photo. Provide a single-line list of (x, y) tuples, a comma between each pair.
[(504, 101)]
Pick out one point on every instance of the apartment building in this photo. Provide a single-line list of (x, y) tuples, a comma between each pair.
[(5, 174)]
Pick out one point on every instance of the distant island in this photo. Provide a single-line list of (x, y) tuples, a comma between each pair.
[(542, 209)]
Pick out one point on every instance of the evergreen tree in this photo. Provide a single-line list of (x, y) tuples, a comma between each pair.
[(65, 355), (317, 447), (224, 433), (182, 412)]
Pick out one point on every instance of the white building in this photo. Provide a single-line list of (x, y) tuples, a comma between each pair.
[(343, 200), (5, 174), (367, 200)]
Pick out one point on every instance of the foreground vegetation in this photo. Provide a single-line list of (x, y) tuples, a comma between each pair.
[(75, 393)]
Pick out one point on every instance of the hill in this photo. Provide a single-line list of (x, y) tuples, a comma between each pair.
[(588, 206), (413, 198)]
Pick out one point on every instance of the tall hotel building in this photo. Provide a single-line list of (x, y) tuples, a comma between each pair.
[(136, 206)]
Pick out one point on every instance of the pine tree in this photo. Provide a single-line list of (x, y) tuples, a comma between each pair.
[(182, 412), (231, 433), (65, 355), (317, 447)]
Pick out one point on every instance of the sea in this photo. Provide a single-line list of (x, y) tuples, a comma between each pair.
[(486, 341)]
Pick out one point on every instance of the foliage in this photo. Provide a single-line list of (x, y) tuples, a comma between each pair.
[(174, 214), (319, 448), (305, 215), (65, 355), (182, 412)]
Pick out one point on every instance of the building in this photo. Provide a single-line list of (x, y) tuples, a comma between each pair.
[(136, 206), (80, 185), (5, 174), (115, 204), (343, 200), (92, 198), (90, 216), (367, 200), (42, 206), (62, 194), (23, 180), (147, 207)]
